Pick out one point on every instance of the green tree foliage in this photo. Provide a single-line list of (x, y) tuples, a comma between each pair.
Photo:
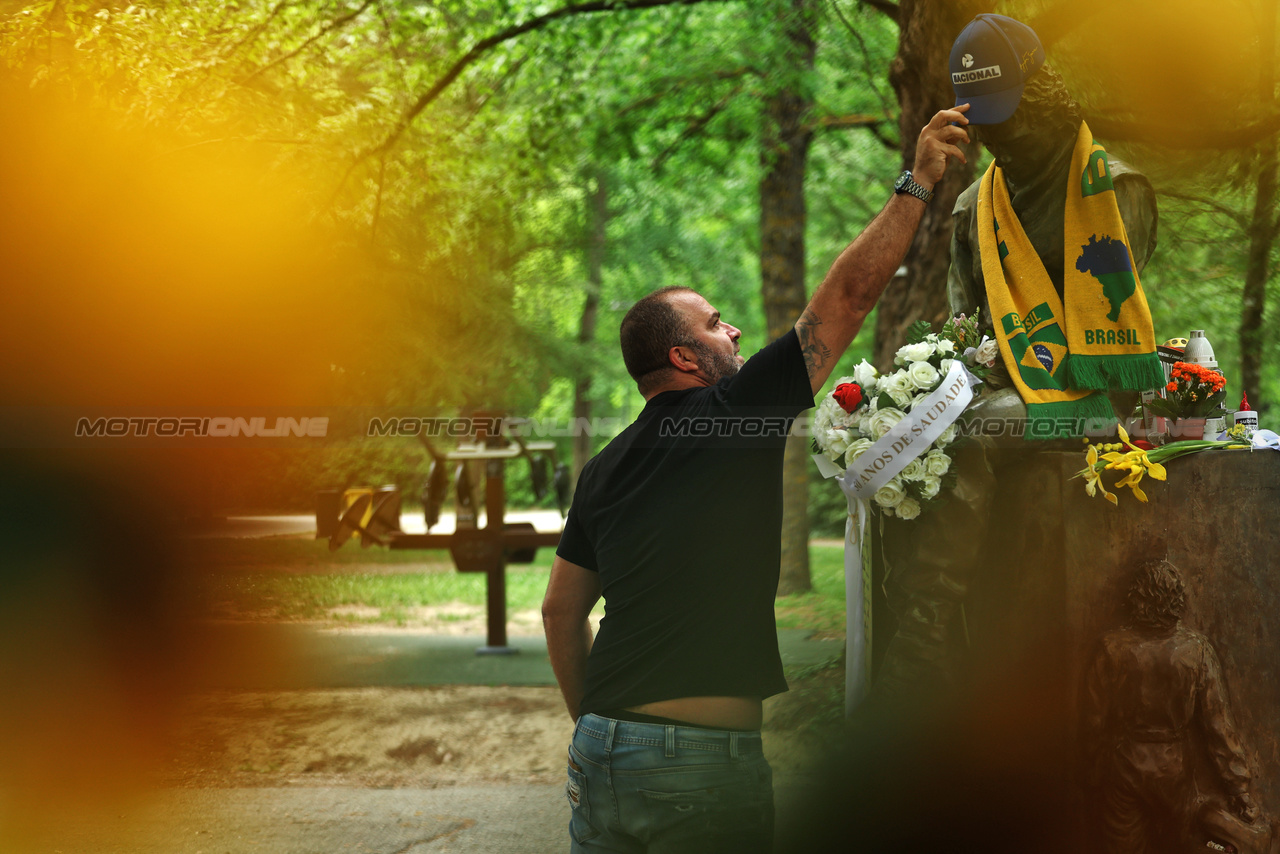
[(1186, 92), (448, 228)]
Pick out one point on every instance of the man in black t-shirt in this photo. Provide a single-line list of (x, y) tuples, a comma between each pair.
[(677, 522)]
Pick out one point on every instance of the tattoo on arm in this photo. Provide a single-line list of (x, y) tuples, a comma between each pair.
[(816, 352)]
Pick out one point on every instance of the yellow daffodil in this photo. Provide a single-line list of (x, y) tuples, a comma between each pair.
[(1132, 480), (1132, 464), (1154, 469), (1136, 463), (1093, 477)]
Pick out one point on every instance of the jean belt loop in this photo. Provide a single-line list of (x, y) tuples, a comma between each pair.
[(671, 741), (733, 745), (608, 739)]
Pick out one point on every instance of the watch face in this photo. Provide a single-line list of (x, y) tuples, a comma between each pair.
[(902, 181)]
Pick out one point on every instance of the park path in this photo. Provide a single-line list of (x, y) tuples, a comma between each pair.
[(492, 819), (518, 817), (487, 819)]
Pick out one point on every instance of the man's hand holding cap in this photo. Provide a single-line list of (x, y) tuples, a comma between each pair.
[(938, 142)]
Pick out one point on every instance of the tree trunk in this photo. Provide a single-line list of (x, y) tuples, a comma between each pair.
[(782, 258), (598, 214), (1262, 228), (923, 84)]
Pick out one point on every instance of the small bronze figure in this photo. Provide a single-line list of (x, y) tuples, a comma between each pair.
[(1154, 701)]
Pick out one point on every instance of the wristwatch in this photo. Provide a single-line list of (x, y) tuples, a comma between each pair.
[(905, 184)]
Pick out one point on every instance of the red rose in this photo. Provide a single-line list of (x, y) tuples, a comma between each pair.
[(848, 395)]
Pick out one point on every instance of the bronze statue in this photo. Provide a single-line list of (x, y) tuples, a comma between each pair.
[(1033, 148), (1154, 701), (932, 562)]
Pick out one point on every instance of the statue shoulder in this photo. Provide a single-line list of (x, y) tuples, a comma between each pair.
[(1129, 181), (1120, 168), (1123, 167), (967, 202), (1136, 199)]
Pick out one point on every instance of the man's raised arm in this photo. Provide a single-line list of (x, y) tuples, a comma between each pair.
[(858, 277)]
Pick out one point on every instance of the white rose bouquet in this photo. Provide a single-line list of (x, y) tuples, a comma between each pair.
[(864, 407)]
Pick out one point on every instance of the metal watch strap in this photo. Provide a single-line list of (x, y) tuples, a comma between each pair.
[(907, 184)]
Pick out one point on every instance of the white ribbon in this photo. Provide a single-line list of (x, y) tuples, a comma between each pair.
[(911, 436), (906, 441), (857, 593), (857, 605)]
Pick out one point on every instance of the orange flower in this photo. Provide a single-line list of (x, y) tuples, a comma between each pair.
[(1171, 387)]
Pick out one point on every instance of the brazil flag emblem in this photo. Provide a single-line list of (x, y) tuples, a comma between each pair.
[(1038, 347)]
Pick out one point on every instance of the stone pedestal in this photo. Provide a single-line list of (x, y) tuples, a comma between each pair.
[(1056, 573)]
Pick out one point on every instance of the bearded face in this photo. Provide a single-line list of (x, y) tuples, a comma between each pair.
[(715, 364)]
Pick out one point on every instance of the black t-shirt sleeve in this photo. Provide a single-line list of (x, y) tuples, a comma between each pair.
[(776, 377), (575, 546)]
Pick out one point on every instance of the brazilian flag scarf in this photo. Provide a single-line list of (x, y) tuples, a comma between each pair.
[(1062, 357)]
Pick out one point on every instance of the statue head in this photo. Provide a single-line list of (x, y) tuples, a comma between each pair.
[(1044, 124), (1157, 596), (991, 61)]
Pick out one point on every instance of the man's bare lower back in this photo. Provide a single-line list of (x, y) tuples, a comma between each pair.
[(741, 713)]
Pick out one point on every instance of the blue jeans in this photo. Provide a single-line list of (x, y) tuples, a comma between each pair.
[(657, 789)]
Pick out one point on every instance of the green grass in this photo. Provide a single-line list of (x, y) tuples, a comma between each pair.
[(821, 609), (293, 595), (295, 554), (300, 579)]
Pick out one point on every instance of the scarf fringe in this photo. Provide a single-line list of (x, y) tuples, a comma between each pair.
[(1133, 372), (1067, 419)]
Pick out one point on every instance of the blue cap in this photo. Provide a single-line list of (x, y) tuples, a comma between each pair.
[(990, 63)]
